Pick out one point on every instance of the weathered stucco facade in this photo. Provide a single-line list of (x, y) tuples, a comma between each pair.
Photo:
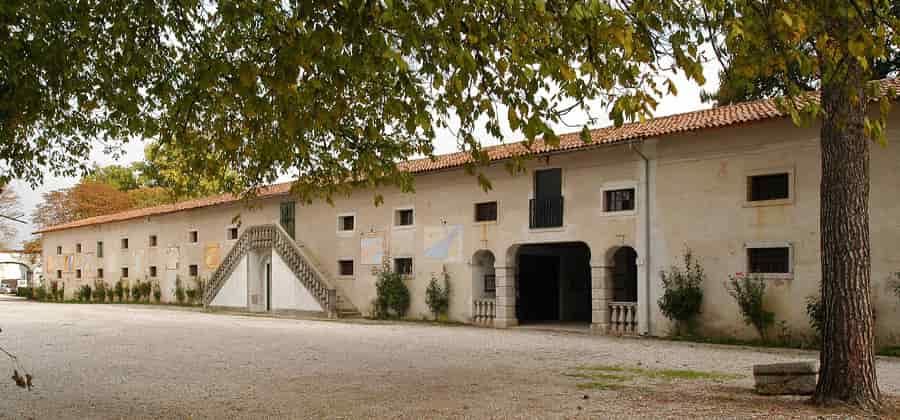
[(689, 190)]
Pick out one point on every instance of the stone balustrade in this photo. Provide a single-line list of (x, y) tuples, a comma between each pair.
[(484, 311), (623, 318)]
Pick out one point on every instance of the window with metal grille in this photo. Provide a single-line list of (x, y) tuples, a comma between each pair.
[(288, 212), (403, 266), (768, 187), (232, 233), (619, 200), (345, 267), (769, 260), (152, 271), (490, 283), (486, 212), (193, 270), (99, 249), (404, 217), (152, 240), (346, 223)]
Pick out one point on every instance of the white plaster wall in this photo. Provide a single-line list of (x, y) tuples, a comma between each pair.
[(234, 292), (287, 292)]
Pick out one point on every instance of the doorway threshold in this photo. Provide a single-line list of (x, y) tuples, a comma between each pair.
[(579, 327)]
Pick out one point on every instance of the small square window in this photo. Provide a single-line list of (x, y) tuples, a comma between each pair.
[(404, 217), (345, 267), (769, 260), (99, 273), (77, 248), (194, 237), (78, 273), (152, 271), (618, 200), (232, 233), (346, 223), (124, 243), (768, 187), (486, 212), (193, 270), (403, 266), (59, 274), (152, 240), (59, 250), (99, 249), (124, 272)]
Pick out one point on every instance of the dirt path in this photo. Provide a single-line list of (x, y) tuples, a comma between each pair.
[(112, 361)]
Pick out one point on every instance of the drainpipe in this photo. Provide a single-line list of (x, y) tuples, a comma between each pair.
[(646, 232)]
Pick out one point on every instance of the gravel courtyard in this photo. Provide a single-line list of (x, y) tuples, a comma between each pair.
[(119, 361)]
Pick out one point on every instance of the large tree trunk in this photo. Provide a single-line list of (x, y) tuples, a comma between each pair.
[(847, 372)]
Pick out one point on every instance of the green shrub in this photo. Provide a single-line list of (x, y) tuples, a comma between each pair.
[(897, 285), (749, 293), (391, 294), (25, 292), (146, 290), (157, 292), (201, 288), (100, 292), (191, 295), (54, 290), (682, 293), (61, 296), (437, 297), (179, 290), (120, 290), (136, 291), (84, 293), (816, 313)]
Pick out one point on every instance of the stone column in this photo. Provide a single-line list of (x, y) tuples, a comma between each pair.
[(601, 296), (506, 297)]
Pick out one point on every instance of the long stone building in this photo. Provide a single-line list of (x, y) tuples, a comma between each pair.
[(582, 236)]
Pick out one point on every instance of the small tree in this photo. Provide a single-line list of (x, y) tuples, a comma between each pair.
[(179, 290), (100, 292), (392, 296), (120, 290), (749, 293), (438, 297), (136, 291), (683, 293)]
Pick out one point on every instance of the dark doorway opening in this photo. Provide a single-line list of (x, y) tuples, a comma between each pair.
[(625, 275), (553, 283), (268, 287)]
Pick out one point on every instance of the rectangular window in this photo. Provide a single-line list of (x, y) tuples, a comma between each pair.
[(124, 272), (99, 249), (768, 187), (403, 266), (486, 212), (78, 273), (545, 210), (78, 248), (232, 233), (345, 267), (193, 237), (59, 274), (404, 217), (193, 270), (59, 250), (124, 243), (490, 283), (346, 223), (618, 200), (152, 240), (769, 260), (152, 271), (288, 212), (99, 273)]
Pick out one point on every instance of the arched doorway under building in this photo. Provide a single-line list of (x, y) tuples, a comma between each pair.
[(625, 275), (553, 283)]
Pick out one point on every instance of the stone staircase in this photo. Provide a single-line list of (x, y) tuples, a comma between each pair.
[(300, 262)]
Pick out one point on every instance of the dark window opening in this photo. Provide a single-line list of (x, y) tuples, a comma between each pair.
[(193, 270), (288, 211), (486, 212), (490, 283), (232, 233), (99, 249), (768, 187), (152, 240), (546, 208), (152, 271), (59, 274), (59, 250), (619, 200), (124, 272), (346, 223), (99, 273), (405, 217), (77, 248), (124, 243), (769, 260), (403, 266), (194, 236), (345, 267), (78, 273)]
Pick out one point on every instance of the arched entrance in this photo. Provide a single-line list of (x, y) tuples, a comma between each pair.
[(484, 280), (553, 282), (625, 275)]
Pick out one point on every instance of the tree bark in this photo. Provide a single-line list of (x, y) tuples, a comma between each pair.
[(847, 373)]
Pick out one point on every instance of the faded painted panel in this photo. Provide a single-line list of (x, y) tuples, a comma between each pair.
[(444, 243), (372, 249), (211, 255)]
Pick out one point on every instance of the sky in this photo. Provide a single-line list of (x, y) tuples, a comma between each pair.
[(688, 99)]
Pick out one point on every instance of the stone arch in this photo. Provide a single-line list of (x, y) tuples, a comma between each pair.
[(624, 275), (484, 279)]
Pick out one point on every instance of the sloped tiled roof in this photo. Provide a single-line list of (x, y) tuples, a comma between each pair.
[(746, 112)]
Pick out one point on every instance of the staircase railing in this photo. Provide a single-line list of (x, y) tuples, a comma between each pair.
[(298, 261)]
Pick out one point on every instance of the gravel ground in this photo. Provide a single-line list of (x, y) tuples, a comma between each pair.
[(121, 361)]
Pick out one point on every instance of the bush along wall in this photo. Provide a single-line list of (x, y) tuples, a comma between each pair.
[(683, 294)]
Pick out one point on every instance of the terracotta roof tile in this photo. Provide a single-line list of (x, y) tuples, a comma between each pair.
[(723, 116)]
